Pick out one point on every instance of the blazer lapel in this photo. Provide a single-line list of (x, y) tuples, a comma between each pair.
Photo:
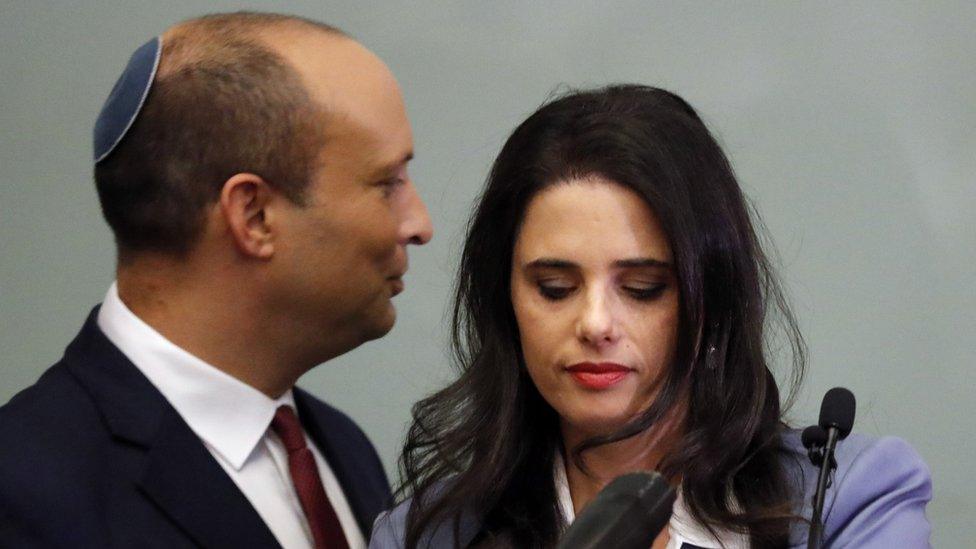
[(180, 476)]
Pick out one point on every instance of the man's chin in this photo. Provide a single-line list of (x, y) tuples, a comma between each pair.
[(383, 323)]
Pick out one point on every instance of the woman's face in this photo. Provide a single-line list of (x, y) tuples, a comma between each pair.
[(596, 300)]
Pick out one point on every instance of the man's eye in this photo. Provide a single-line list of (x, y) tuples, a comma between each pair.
[(390, 185), (554, 293), (644, 292)]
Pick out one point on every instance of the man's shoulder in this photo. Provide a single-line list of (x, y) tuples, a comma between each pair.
[(51, 440), (52, 407)]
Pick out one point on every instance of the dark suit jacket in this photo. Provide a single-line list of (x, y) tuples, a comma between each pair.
[(92, 455)]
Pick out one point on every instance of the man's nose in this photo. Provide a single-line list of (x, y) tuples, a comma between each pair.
[(415, 225)]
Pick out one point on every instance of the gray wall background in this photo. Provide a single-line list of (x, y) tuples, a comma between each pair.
[(852, 128)]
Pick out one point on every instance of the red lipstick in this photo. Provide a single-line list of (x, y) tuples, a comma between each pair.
[(598, 376)]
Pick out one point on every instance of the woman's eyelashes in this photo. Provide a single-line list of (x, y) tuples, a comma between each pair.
[(645, 292), (638, 291), (554, 291)]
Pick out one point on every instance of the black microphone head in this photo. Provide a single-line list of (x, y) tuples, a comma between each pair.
[(627, 514), (837, 410), (813, 435)]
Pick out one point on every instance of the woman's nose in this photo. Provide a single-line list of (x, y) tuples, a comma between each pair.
[(597, 325)]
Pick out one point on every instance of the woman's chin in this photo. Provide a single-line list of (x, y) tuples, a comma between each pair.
[(592, 423)]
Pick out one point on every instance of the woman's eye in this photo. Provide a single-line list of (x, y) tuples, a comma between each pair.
[(553, 293), (644, 292)]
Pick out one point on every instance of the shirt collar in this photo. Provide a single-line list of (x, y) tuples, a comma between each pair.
[(563, 496), (230, 416)]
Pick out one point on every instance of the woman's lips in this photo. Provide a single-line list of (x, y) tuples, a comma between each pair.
[(598, 375)]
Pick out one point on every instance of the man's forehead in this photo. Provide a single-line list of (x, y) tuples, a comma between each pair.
[(379, 146), (329, 63), (345, 78), (365, 115)]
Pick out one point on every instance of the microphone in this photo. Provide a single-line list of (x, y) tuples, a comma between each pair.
[(627, 514), (813, 435), (837, 411), (814, 438), (836, 421)]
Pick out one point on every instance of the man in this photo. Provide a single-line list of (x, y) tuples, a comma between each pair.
[(253, 169)]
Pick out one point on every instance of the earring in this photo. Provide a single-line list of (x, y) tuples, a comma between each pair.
[(710, 359)]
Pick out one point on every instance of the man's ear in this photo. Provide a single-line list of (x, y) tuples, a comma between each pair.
[(244, 201)]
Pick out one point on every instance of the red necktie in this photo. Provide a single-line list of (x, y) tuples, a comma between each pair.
[(322, 519)]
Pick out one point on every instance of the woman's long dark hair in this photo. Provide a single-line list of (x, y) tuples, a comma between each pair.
[(485, 444)]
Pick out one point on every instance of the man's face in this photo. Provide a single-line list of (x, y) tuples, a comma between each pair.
[(343, 254)]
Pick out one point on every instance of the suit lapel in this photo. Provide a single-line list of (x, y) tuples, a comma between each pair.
[(180, 476), (185, 481)]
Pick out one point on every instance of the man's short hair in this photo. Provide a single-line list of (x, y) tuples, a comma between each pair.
[(222, 103)]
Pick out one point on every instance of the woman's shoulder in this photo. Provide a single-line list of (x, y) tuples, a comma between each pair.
[(878, 494), (877, 498), (390, 530)]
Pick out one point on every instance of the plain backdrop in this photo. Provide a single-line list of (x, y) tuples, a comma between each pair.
[(852, 127)]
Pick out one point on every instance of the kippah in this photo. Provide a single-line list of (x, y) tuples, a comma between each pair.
[(126, 100)]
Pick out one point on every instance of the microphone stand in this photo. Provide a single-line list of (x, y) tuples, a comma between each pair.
[(815, 539)]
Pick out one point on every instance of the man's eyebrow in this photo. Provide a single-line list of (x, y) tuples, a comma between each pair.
[(388, 169)]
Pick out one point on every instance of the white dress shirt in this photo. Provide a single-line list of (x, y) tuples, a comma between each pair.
[(232, 420), (682, 528)]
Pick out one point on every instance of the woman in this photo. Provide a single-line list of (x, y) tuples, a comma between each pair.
[(611, 316)]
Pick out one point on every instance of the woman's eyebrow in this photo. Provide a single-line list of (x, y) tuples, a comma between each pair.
[(641, 262), (629, 263), (551, 263)]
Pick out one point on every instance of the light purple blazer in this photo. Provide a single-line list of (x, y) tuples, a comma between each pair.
[(877, 499), (878, 496)]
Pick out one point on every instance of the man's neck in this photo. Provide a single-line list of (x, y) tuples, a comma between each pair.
[(218, 323)]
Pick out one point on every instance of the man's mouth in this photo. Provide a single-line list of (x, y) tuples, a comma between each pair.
[(397, 284)]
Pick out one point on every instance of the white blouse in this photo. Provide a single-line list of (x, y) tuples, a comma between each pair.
[(682, 528)]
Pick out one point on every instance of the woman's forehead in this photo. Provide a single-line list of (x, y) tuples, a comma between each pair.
[(590, 219)]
